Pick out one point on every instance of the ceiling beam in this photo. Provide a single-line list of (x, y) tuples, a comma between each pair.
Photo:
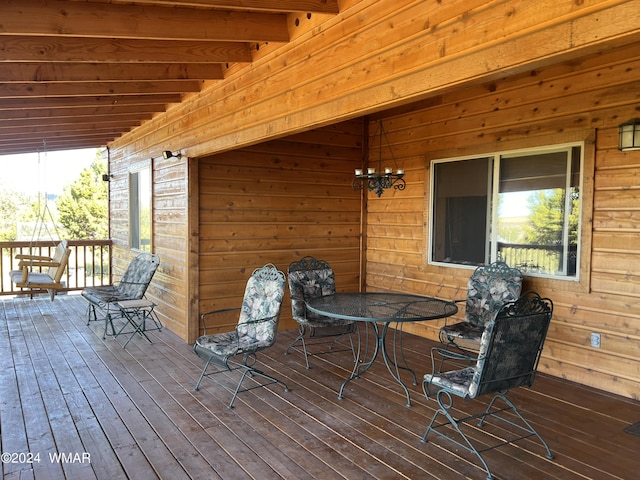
[(124, 21), (308, 6), (59, 130), (14, 48), (63, 143), (79, 112), (79, 72), (43, 122), (91, 89), (87, 101)]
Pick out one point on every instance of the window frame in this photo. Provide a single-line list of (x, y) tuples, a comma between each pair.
[(136, 242), (583, 138)]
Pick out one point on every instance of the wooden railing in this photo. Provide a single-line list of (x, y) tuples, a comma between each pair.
[(538, 258), (89, 263)]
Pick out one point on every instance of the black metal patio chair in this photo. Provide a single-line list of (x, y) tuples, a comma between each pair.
[(132, 286), (311, 278), (256, 331), (508, 358), (488, 289)]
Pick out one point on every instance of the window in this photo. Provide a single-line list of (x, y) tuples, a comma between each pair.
[(140, 208), (521, 207)]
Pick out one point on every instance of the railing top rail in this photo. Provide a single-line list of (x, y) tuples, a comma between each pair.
[(49, 243)]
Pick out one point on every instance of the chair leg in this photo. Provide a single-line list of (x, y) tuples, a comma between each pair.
[(445, 405), (204, 370), (300, 338), (527, 428), (247, 370), (250, 371), (91, 309)]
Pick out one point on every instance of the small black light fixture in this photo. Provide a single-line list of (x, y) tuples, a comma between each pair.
[(106, 177), (629, 135), (169, 154)]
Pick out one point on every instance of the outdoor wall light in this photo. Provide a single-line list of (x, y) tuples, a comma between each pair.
[(168, 154), (629, 135), (106, 177)]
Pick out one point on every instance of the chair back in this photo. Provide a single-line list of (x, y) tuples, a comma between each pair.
[(488, 289), (138, 275), (262, 301), (511, 345), (61, 256), (309, 278)]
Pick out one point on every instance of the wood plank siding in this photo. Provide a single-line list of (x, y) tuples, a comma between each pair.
[(268, 156), (135, 414), (274, 203)]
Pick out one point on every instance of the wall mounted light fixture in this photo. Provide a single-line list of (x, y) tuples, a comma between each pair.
[(629, 135), (168, 154), (106, 177)]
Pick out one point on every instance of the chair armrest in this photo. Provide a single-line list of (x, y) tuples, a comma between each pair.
[(204, 316), (454, 355), (448, 354), (26, 256), (38, 263)]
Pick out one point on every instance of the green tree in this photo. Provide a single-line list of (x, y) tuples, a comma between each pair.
[(82, 207), (15, 207), (546, 221)]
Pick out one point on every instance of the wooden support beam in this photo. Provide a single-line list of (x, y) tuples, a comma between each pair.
[(79, 72), (307, 6), (96, 88), (122, 21), (43, 123), (14, 48), (78, 112), (88, 101)]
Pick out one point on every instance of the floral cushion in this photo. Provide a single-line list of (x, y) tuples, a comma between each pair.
[(258, 319), (132, 286), (457, 381), (510, 347), (488, 289), (310, 278)]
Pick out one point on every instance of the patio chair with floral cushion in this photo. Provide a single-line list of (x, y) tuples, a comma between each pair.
[(508, 358), (311, 278), (256, 330), (132, 286), (488, 289)]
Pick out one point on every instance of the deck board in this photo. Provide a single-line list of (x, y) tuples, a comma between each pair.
[(134, 410)]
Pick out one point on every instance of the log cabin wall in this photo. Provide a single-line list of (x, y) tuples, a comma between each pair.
[(381, 54), (589, 98), (170, 288), (276, 202)]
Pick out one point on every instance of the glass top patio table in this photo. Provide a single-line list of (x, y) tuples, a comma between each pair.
[(382, 307), (375, 308)]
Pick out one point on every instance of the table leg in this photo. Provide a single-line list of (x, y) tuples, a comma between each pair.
[(360, 368), (389, 361), (380, 346)]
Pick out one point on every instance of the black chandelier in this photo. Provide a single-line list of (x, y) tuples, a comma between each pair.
[(379, 181)]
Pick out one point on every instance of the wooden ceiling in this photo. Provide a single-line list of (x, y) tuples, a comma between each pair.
[(80, 73)]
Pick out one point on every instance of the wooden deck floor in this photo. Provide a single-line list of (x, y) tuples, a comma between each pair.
[(132, 413)]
